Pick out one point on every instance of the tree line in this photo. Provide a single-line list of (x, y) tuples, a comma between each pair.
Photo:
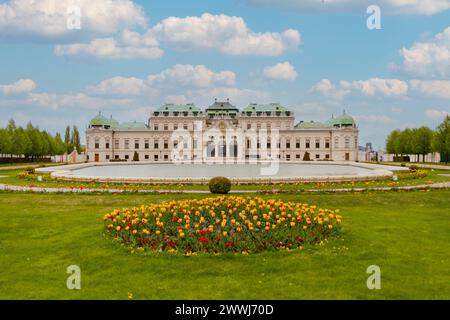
[(32, 143), (420, 141)]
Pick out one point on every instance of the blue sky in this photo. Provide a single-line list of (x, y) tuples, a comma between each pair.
[(315, 58)]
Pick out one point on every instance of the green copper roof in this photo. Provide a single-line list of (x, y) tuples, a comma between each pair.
[(342, 120), (100, 120), (271, 107), (222, 106), (168, 107), (311, 125), (133, 125)]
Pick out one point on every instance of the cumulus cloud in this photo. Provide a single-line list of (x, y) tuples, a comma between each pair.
[(371, 87), (326, 88), (394, 7), (377, 86), (226, 34), (428, 59), (191, 76), (108, 48), (436, 114), (180, 77), (48, 18), (76, 100), (119, 86), (374, 119), (21, 86), (432, 88), (281, 71)]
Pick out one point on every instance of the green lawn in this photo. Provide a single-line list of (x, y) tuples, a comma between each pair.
[(404, 179), (407, 234)]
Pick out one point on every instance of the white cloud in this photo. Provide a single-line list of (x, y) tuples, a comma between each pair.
[(377, 86), (119, 86), (107, 48), (371, 87), (436, 114), (177, 99), (395, 7), (21, 86), (77, 100), (48, 18), (191, 76), (326, 88), (432, 88), (374, 119), (428, 59), (172, 82), (281, 71), (226, 34)]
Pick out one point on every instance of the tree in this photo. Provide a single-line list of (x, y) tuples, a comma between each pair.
[(392, 143), (306, 156), (441, 141), (5, 141), (136, 156), (67, 140), (75, 139), (423, 141), (21, 144), (37, 143)]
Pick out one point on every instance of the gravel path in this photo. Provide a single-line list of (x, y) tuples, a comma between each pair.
[(5, 187)]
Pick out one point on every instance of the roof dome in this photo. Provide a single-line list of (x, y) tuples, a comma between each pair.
[(99, 120), (343, 120)]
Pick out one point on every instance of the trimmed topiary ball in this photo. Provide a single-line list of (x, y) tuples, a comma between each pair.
[(219, 185)]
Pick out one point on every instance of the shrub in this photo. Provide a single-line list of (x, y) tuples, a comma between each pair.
[(219, 185), (136, 156), (222, 224), (413, 167)]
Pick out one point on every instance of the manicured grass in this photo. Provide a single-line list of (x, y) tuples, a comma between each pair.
[(406, 234), (405, 179)]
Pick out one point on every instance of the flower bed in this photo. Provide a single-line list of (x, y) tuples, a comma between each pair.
[(222, 224)]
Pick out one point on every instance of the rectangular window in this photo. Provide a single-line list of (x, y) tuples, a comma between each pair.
[(107, 145), (156, 127), (175, 144), (107, 157), (317, 156), (127, 144), (327, 144), (146, 144), (116, 157), (127, 157), (146, 157), (166, 144), (249, 126), (136, 144), (288, 157), (166, 127), (166, 157), (194, 144), (155, 157), (327, 156), (317, 144), (175, 126), (185, 126), (297, 156), (297, 144), (307, 144), (155, 145), (116, 144), (288, 144)]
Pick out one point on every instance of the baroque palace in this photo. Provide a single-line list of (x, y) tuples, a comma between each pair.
[(222, 133)]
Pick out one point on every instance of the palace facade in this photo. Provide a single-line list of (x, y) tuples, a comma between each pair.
[(222, 133)]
